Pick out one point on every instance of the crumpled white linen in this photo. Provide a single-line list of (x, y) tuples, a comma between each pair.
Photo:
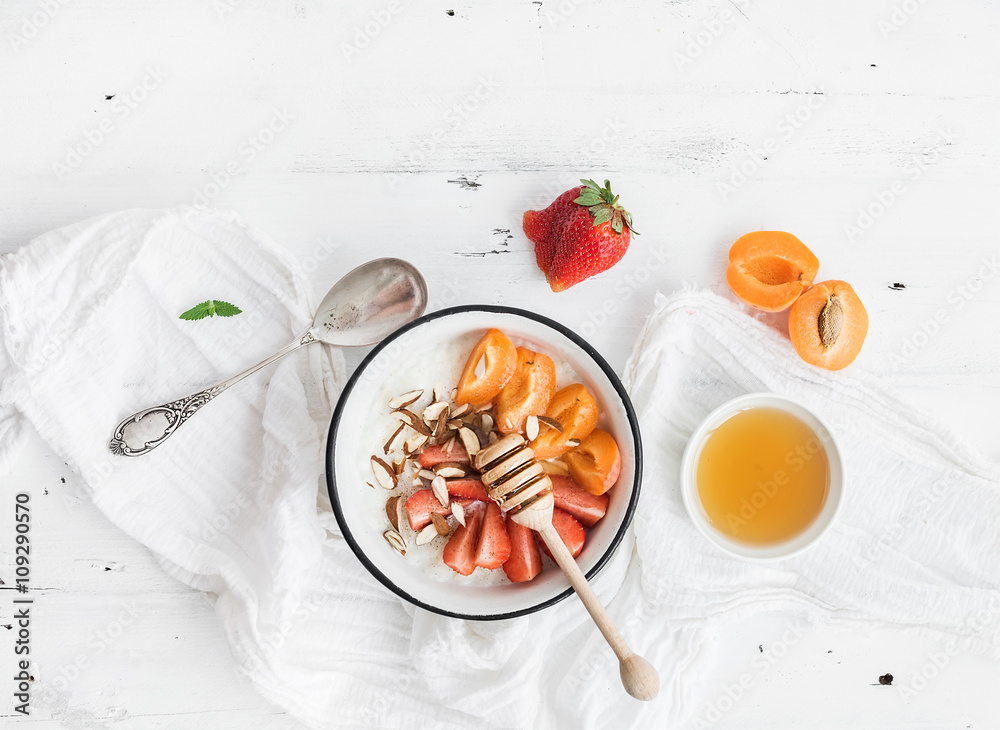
[(229, 504)]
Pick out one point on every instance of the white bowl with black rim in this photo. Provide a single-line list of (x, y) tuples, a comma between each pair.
[(415, 349)]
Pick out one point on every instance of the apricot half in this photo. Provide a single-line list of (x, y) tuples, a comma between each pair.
[(770, 269), (595, 463), (576, 411), (528, 392), (498, 358), (828, 325)]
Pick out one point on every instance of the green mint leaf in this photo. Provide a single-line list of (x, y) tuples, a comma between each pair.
[(210, 308), (199, 311), (225, 309)]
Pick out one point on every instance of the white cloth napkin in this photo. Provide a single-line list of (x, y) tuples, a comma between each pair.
[(229, 504)]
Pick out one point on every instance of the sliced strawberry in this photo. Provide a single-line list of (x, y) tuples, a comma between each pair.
[(436, 454), (571, 497), (460, 552), (494, 545), (525, 561), (572, 533), (422, 503), (467, 488)]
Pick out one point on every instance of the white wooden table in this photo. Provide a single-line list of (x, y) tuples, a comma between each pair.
[(352, 130)]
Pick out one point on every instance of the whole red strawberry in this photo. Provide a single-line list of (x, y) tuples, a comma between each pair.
[(584, 232)]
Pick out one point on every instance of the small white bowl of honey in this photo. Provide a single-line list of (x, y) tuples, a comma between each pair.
[(762, 477)]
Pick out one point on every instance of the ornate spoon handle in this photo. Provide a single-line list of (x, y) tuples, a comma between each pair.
[(178, 411)]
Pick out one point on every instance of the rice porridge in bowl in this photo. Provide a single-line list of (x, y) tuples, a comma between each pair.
[(408, 424)]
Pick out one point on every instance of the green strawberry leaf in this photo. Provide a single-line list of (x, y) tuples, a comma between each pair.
[(604, 206), (210, 308), (588, 199), (616, 222), (603, 216)]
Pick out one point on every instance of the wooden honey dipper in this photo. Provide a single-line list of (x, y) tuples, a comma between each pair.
[(517, 482)]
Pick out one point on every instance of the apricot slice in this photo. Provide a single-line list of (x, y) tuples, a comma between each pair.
[(528, 392), (596, 462), (828, 325), (576, 411), (770, 269), (499, 357)]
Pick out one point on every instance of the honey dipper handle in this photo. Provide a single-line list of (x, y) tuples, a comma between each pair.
[(639, 677)]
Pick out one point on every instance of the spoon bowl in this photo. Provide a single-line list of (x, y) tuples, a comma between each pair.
[(369, 303)]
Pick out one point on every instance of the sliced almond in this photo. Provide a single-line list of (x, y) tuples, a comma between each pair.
[(398, 466), (531, 428), (484, 407), (440, 523), (427, 534), (449, 471), (551, 423), (441, 424), (486, 422), (459, 512), (493, 437), (449, 443), (430, 413), (572, 443), (370, 485), (385, 475), (414, 442), (455, 423), (392, 511), (392, 443), (412, 420), (402, 401), (469, 440), (555, 467), (396, 540), (461, 411), (440, 488), (426, 474)]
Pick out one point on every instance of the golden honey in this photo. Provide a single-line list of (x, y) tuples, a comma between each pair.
[(763, 476)]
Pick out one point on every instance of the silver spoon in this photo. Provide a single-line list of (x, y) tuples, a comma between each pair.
[(361, 309)]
